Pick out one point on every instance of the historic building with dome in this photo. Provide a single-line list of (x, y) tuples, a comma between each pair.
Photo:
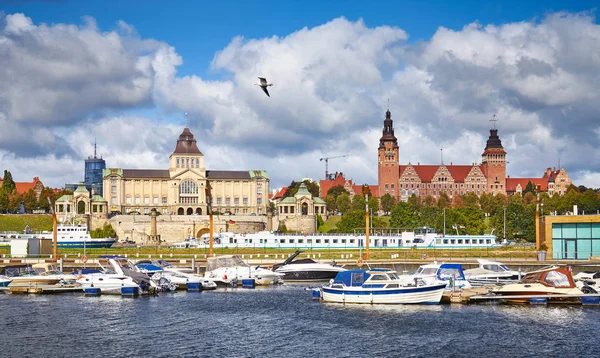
[(186, 187), (489, 176)]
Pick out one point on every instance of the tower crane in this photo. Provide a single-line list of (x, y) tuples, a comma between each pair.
[(326, 159)]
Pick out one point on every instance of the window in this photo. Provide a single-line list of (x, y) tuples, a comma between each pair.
[(137, 199), (156, 200), (187, 162), (177, 162), (146, 200), (245, 201), (197, 163), (188, 186), (113, 181), (128, 200), (113, 189), (236, 201), (146, 210), (259, 191), (164, 200), (227, 201), (259, 201), (114, 200), (219, 200)]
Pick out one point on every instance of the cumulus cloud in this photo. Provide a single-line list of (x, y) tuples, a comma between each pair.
[(331, 86)]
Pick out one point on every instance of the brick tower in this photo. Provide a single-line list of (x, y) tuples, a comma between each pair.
[(389, 157), (493, 162)]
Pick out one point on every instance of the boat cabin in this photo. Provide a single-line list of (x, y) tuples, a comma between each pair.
[(556, 277), (375, 278)]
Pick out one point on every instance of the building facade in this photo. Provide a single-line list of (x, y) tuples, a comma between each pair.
[(489, 176), (23, 186), (570, 237), (186, 188), (93, 173)]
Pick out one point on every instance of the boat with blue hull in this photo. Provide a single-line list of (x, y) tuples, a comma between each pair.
[(72, 236), (380, 286)]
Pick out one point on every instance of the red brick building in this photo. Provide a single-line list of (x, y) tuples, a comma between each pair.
[(23, 186), (402, 181), (339, 179)]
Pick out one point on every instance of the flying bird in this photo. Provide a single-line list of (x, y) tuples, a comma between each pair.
[(263, 84)]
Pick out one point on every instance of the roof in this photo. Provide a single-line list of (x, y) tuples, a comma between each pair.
[(186, 144), (146, 173), (280, 193), (228, 174), (512, 183), (81, 188), (319, 201), (23, 187), (258, 174), (66, 197), (427, 172), (493, 141), (302, 190), (288, 200), (98, 198)]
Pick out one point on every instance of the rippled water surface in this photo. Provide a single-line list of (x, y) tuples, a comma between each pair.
[(284, 321)]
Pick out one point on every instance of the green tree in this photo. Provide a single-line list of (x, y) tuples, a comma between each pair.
[(337, 191), (14, 201), (373, 204), (473, 220), (365, 189), (358, 202), (353, 219), (444, 201), (529, 198), (282, 227), (3, 201), (429, 201), (8, 183), (414, 201), (530, 188), (403, 215), (312, 187), (343, 203), (589, 201), (428, 216), (387, 202), (29, 201), (330, 203), (42, 202), (106, 231), (320, 221)]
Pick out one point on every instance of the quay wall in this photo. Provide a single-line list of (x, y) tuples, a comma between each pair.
[(174, 228)]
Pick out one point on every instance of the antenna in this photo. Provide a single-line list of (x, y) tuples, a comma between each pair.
[(442, 154), (186, 120), (494, 120), (388, 104), (95, 157)]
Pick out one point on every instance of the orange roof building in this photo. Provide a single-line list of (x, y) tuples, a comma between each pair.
[(340, 180), (24, 186)]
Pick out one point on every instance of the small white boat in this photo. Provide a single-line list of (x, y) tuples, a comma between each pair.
[(491, 272), (114, 279), (179, 276), (588, 281), (451, 275), (295, 269), (380, 286), (224, 270)]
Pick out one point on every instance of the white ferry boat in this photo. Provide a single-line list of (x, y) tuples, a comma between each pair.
[(388, 239), (75, 236)]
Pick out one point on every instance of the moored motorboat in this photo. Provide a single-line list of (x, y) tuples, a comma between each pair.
[(450, 274), (306, 269), (225, 270), (179, 276), (491, 272), (552, 283), (380, 286)]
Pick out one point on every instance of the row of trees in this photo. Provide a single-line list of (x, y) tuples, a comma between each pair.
[(11, 200), (512, 217)]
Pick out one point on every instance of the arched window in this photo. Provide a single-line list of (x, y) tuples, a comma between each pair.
[(188, 186)]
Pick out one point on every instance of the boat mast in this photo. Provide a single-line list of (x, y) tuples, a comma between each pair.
[(367, 224), (54, 231)]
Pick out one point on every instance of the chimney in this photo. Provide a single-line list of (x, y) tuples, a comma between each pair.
[(575, 209)]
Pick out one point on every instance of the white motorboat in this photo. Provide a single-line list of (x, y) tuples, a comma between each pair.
[(179, 276), (224, 270), (114, 279), (450, 274), (588, 281), (10, 271), (553, 281), (491, 272), (380, 286), (42, 274), (296, 269)]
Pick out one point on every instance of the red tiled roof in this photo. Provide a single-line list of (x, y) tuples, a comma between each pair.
[(459, 172), (425, 172), (512, 183), (280, 193), (23, 187), (325, 185)]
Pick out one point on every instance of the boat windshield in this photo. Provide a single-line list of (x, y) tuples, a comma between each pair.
[(231, 261), (393, 276), (426, 271), (449, 272), (557, 279)]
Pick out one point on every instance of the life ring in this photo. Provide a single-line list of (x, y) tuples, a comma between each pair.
[(84, 259), (359, 262), (224, 277)]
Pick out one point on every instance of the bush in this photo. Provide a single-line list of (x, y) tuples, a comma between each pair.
[(283, 228)]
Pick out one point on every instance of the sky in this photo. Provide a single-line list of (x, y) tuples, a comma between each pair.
[(122, 74)]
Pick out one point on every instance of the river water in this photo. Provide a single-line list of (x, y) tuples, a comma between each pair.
[(284, 321)]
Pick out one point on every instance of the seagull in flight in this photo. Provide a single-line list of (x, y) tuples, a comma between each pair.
[(263, 84)]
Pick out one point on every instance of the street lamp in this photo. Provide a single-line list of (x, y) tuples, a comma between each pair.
[(542, 206)]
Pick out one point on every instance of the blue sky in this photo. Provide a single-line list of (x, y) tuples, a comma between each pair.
[(198, 29), (445, 66)]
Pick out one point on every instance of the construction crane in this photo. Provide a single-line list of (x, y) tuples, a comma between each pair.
[(326, 159)]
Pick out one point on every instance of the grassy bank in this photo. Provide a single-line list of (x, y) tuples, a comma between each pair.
[(36, 222)]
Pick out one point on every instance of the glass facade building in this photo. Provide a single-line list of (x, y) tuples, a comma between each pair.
[(93, 174), (575, 240)]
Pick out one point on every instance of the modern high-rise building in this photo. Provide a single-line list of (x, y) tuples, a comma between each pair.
[(93, 173)]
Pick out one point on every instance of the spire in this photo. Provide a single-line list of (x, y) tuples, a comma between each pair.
[(388, 131), (95, 156), (186, 144)]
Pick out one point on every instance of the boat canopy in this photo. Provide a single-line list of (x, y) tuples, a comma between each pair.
[(448, 271), (351, 277), (212, 263)]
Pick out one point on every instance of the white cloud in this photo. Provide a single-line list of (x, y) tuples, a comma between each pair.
[(331, 86)]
